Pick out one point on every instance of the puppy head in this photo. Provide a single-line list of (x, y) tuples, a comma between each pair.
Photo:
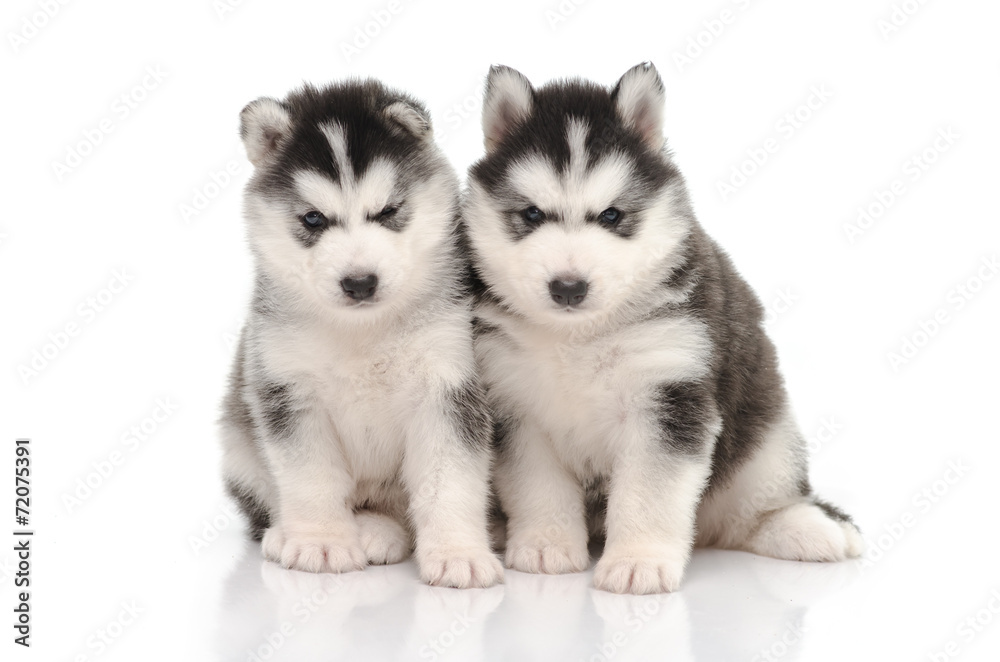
[(351, 203), (575, 211)]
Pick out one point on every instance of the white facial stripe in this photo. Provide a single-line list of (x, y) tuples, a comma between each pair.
[(338, 143), (368, 195), (319, 192), (375, 188), (576, 137), (575, 195), (535, 178)]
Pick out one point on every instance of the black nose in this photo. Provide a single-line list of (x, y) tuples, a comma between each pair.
[(568, 293), (360, 288)]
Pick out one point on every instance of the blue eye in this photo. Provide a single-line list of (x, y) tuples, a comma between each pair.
[(314, 219), (610, 216), (533, 214)]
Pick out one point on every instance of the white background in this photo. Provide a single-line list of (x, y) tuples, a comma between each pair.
[(893, 430)]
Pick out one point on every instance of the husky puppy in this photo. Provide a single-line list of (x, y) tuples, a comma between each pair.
[(356, 426), (622, 353)]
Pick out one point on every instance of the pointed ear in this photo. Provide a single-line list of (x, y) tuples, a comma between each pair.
[(264, 124), (410, 118), (508, 102), (639, 98)]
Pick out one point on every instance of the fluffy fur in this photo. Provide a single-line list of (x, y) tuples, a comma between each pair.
[(623, 355), (355, 428)]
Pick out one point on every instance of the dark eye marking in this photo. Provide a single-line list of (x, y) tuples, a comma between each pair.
[(314, 220), (610, 216), (532, 215)]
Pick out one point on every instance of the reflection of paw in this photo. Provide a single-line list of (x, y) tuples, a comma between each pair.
[(383, 538), (638, 574), (547, 557), (460, 568), (313, 551)]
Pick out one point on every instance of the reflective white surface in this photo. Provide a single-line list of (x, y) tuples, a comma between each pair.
[(733, 606)]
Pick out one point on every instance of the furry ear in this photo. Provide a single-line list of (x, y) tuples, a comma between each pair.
[(639, 98), (264, 124), (508, 102), (410, 118)]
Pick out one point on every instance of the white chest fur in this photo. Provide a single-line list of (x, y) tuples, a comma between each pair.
[(371, 381), (582, 391)]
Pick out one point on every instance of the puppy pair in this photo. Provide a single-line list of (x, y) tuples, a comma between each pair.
[(572, 326)]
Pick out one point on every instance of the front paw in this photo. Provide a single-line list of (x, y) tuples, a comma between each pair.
[(546, 556), (460, 567), (639, 574), (312, 551)]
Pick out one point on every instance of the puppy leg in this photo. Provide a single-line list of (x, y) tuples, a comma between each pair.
[(446, 472), (654, 490), (546, 527), (314, 529)]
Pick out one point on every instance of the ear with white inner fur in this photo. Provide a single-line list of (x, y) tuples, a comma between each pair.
[(509, 100), (409, 118), (639, 98), (264, 124)]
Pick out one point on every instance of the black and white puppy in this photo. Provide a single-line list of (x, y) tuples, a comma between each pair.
[(356, 424), (622, 353)]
